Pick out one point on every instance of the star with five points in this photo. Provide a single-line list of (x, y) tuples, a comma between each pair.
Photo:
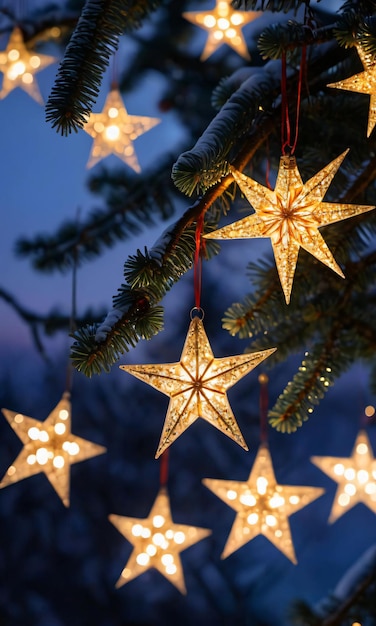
[(49, 447), (262, 506), (19, 65), (114, 131), (197, 385), (224, 26), (364, 82), (291, 216), (355, 475), (157, 542)]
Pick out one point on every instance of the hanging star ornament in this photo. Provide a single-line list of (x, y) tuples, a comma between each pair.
[(364, 82), (49, 447), (262, 506), (291, 216), (157, 542), (197, 386), (224, 26), (114, 131), (18, 64), (356, 477)]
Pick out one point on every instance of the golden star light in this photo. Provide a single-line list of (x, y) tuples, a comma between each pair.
[(364, 82), (18, 64), (291, 216), (49, 447), (262, 506), (157, 542), (114, 131), (224, 25), (197, 386), (356, 477)]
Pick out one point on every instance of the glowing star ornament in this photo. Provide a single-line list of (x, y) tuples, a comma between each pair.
[(197, 386), (364, 82), (224, 26), (114, 131), (291, 216), (49, 447), (18, 64), (157, 542), (262, 506), (356, 477)]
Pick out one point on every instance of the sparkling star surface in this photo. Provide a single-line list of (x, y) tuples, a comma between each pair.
[(18, 65), (291, 216), (262, 506), (157, 542), (224, 26), (364, 82), (197, 385), (49, 447), (114, 131), (355, 475)]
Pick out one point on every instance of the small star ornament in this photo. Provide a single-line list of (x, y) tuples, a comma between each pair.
[(291, 216), (197, 386), (224, 26), (364, 82), (262, 506), (49, 447), (356, 477), (18, 64), (157, 542), (114, 131)]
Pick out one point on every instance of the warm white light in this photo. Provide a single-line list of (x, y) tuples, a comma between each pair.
[(60, 428), (13, 54), (167, 559), (33, 433), (151, 550), (362, 448), (171, 569), (113, 112), (362, 476), (236, 19), (18, 418), (223, 23), (270, 520), (136, 530), (16, 70), (343, 499), (42, 456), (179, 537), (247, 499), (58, 461), (63, 414), (231, 494), (262, 485), (369, 411), (276, 501), (31, 459), (145, 532), (294, 499), (160, 540), (112, 133), (349, 473), (43, 436), (350, 489), (158, 521), (142, 558), (252, 519), (209, 21)]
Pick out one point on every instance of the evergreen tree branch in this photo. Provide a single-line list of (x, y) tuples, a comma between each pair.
[(87, 56)]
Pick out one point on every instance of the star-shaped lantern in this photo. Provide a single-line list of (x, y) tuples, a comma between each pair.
[(49, 447), (224, 25), (114, 131), (291, 216), (356, 477), (197, 385), (364, 82), (262, 506), (18, 64), (157, 542)]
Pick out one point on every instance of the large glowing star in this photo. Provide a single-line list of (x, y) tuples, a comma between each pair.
[(224, 25), (197, 385), (356, 477), (114, 131), (364, 82), (157, 542), (262, 506), (18, 64), (291, 216), (49, 447)]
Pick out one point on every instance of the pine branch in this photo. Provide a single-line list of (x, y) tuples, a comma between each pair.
[(87, 56)]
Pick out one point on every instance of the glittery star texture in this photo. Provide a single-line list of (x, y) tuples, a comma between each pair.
[(224, 26), (262, 506), (364, 82), (18, 65), (291, 216), (197, 385), (355, 475), (49, 447), (157, 542), (114, 131)]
